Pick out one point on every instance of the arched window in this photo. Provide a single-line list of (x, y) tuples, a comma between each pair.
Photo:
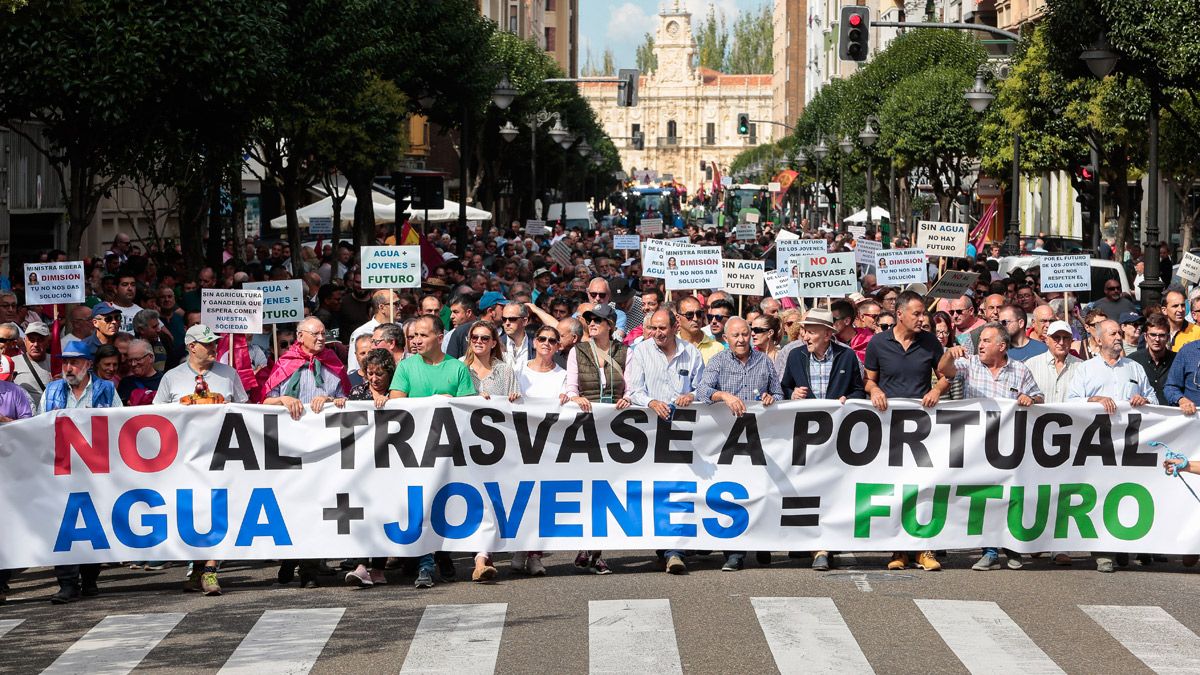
[(671, 130)]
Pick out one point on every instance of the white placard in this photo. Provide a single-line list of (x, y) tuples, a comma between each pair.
[(231, 311), (650, 227), (901, 266), (1063, 273), (859, 231), (752, 217), (1188, 268), (694, 268), (283, 301), (779, 284), (391, 267), (784, 235), (944, 239), (320, 226), (627, 242), (773, 186), (535, 228), (654, 259), (953, 284), (54, 283), (561, 253), (726, 181), (789, 248), (742, 277), (865, 250), (746, 232), (824, 275)]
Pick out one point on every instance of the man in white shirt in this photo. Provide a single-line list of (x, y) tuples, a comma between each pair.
[(1055, 370), (123, 300), (201, 345), (384, 309)]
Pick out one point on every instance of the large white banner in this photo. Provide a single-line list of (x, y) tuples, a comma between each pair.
[(248, 482)]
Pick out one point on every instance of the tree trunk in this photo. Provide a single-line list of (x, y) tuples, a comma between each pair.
[(81, 207), (215, 244), (364, 208), (193, 220), (1119, 181), (237, 197)]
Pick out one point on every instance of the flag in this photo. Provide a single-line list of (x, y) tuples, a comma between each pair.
[(430, 258), (716, 186), (785, 179)]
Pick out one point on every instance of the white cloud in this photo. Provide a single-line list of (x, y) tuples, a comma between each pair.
[(699, 10), (627, 24)]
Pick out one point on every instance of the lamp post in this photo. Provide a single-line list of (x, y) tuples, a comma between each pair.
[(847, 147), (801, 160), (820, 152), (534, 121), (867, 137), (980, 97)]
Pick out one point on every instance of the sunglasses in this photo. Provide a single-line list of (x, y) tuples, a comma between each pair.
[(546, 339), (111, 318), (870, 315), (481, 338), (597, 295), (884, 325), (716, 317), (692, 315), (595, 319), (759, 330), (955, 311)]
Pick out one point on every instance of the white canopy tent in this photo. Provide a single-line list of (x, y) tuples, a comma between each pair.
[(877, 214), (385, 211), (449, 212)]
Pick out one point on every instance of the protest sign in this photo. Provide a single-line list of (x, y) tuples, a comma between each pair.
[(627, 242), (1188, 269), (773, 186), (320, 226), (650, 227), (865, 250), (54, 283), (820, 275), (1064, 273), (231, 311), (944, 239), (283, 301), (789, 248), (742, 277), (535, 228), (901, 266), (698, 267), (784, 235), (953, 284), (428, 474), (726, 181), (654, 259), (391, 267), (561, 253), (780, 283), (752, 217), (746, 232), (859, 231)]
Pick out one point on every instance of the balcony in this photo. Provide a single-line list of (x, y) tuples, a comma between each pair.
[(668, 141)]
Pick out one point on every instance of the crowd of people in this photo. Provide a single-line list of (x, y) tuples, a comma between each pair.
[(508, 320)]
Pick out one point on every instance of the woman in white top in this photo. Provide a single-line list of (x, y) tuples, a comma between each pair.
[(485, 359), (541, 377)]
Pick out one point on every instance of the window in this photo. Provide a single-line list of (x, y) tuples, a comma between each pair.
[(550, 38), (671, 129), (550, 5), (710, 133)]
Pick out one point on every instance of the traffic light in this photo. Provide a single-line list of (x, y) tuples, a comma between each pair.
[(1086, 183), (743, 127), (627, 89), (855, 33)]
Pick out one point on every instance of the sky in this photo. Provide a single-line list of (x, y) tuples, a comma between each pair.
[(621, 24)]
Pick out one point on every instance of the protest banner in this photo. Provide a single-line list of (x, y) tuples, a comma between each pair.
[(865, 250), (650, 227), (627, 242), (697, 267), (1188, 269), (1065, 273), (742, 277), (391, 266), (746, 232), (226, 310), (824, 275), (320, 226), (901, 266), (283, 301), (952, 284), (654, 259), (791, 248), (780, 284), (242, 482), (535, 228), (54, 283), (560, 251), (944, 239)]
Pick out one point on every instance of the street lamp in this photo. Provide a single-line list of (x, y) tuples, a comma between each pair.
[(980, 97), (820, 151), (504, 93), (846, 145), (1101, 58), (867, 137), (509, 132), (584, 149), (558, 132)]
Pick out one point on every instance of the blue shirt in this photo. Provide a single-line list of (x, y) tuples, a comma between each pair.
[(747, 381), (1182, 378), (1031, 349)]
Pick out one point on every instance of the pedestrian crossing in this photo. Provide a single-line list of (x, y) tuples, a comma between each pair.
[(803, 634)]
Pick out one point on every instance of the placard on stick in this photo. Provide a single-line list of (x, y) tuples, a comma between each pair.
[(746, 232), (535, 228), (1066, 273), (742, 277), (694, 268), (232, 311), (865, 250), (627, 242), (320, 226), (283, 301), (650, 227), (54, 283), (901, 266), (1188, 269), (391, 267), (824, 275), (561, 253), (944, 239), (953, 284)]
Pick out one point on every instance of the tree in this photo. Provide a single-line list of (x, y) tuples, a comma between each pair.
[(752, 43), (712, 41), (1178, 150), (609, 67), (647, 61)]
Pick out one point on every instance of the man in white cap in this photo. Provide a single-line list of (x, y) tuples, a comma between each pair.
[(201, 363), (1054, 369), (31, 369)]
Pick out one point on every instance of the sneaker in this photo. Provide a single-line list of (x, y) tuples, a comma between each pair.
[(1105, 565), (989, 561), (359, 578), (424, 579), (65, 594), (928, 562), (394, 563), (156, 566), (675, 565), (733, 563), (535, 567), (820, 562), (898, 562), (378, 578), (1062, 559), (192, 585), (309, 581), (599, 566), (1014, 560), (583, 558), (483, 570), (519, 563), (208, 583)]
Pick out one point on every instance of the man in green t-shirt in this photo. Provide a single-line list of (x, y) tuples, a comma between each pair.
[(429, 372)]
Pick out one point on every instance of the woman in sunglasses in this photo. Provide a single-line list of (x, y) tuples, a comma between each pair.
[(542, 378), (765, 332), (943, 330), (485, 360)]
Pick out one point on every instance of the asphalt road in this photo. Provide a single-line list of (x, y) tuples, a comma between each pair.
[(785, 617)]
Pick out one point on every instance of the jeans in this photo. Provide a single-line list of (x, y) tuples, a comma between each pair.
[(426, 564)]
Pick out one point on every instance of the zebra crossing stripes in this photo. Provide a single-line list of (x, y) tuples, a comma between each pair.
[(116, 645), (809, 635), (284, 641), (457, 639), (9, 624), (1152, 635), (984, 638), (627, 636)]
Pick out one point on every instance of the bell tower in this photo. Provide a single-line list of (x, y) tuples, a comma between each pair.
[(674, 46)]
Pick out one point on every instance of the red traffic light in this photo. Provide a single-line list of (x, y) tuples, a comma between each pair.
[(855, 20)]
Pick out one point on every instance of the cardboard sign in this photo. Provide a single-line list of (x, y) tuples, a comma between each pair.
[(742, 277), (944, 239), (391, 267), (54, 283), (535, 228), (746, 232), (321, 227), (789, 248), (694, 268), (1188, 269), (953, 284), (561, 253), (654, 255), (824, 275), (283, 301), (650, 227), (779, 284), (627, 242), (1063, 273), (901, 266), (231, 311), (784, 235), (865, 250), (752, 217), (773, 186), (859, 231)]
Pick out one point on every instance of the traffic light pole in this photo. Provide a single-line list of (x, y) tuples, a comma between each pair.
[(953, 26)]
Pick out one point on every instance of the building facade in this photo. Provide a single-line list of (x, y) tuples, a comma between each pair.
[(553, 25), (790, 36), (686, 114)]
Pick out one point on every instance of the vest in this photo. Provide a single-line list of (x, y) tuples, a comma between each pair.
[(589, 371), (103, 392)]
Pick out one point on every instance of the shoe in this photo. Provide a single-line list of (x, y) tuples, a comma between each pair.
[(359, 578), (599, 566), (137, 566), (208, 583), (156, 566), (1104, 565), (287, 572), (927, 561), (519, 563), (1014, 560), (424, 579), (308, 580), (1145, 559), (1062, 559), (89, 589), (445, 565), (65, 594), (535, 567), (675, 565), (733, 563), (898, 562), (989, 561), (1122, 559), (192, 585), (763, 558), (821, 562), (483, 571), (1190, 560), (378, 578), (583, 559)]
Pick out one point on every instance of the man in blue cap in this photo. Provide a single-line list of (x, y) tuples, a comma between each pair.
[(491, 308), (107, 321)]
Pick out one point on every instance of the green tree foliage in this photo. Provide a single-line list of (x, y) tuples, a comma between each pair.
[(751, 44), (712, 41), (646, 60)]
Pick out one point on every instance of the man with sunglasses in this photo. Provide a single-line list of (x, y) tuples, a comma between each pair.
[(389, 336), (516, 339), (107, 321), (691, 322), (600, 293), (1113, 305), (717, 314)]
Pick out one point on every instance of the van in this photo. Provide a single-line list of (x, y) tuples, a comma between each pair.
[(579, 216)]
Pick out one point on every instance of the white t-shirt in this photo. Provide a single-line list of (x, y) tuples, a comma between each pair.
[(543, 385), (181, 381), (127, 314)]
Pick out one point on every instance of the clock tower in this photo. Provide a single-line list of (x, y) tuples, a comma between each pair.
[(674, 46)]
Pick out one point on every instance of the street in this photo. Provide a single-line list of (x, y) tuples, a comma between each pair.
[(855, 618)]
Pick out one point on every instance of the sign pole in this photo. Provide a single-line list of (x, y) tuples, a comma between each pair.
[(1067, 307), (275, 338), (231, 350)]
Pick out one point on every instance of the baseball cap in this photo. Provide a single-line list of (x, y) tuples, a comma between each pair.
[(603, 312), (199, 333), (540, 272), (490, 300), (6, 369), (1059, 327), (77, 349), (619, 290), (104, 309), (1126, 317), (37, 328)]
